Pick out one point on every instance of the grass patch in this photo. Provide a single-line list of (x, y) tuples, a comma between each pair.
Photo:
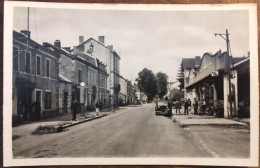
[(47, 129)]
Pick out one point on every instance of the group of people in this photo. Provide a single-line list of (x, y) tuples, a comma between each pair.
[(187, 106)]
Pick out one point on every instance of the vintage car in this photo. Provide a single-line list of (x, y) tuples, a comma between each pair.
[(162, 108)]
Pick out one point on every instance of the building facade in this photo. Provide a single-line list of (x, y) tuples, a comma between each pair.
[(123, 93), (35, 77), (107, 56), (208, 81)]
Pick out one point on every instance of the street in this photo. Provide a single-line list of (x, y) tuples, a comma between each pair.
[(136, 132)]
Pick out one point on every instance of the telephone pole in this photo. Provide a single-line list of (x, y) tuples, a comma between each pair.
[(227, 70)]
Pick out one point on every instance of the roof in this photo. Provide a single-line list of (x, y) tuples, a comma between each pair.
[(237, 59), (188, 63), (88, 40), (23, 39), (63, 78), (241, 62), (60, 50), (86, 58)]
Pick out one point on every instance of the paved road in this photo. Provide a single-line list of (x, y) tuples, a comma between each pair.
[(131, 132)]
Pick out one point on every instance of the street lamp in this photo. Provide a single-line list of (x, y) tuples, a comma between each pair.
[(227, 68), (82, 86)]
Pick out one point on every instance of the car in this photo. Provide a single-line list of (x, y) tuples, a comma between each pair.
[(162, 108)]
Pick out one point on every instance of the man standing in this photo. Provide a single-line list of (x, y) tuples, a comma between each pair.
[(177, 105), (37, 109), (74, 108), (195, 106), (186, 106)]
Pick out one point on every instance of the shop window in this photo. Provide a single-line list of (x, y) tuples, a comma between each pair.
[(47, 100)]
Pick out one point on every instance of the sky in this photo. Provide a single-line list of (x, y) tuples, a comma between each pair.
[(157, 40)]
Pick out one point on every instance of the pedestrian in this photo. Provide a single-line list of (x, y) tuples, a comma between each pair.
[(195, 106), (186, 106), (100, 106), (170, 107), (37, 107), (177, 106), (74, 108), (189, 106)]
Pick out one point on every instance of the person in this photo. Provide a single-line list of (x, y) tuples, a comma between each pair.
[(74, 108), (189, 106), (100, 106), (37, 109), (186, 106), (170, 107), (195, 106), (177, 106)]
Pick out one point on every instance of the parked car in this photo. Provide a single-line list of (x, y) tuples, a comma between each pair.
[(162, 108)]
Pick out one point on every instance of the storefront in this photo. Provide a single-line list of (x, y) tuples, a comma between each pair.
[(209, 84)]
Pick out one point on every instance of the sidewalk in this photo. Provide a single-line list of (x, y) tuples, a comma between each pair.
[(62, 121), (191, 120)]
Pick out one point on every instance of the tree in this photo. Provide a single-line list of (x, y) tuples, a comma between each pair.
[(162, 82), (147, 83), (180, 76), (176, 94)]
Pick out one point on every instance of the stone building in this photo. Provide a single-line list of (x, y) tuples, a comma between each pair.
[(108, 56), (104, 98), (123, 93), (82, 71), (35, 77), (206, 79)]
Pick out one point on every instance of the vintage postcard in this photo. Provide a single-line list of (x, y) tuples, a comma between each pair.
[(125, 84)]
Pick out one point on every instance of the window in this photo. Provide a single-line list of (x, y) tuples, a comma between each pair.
[(47, 68), (48, 100), (27, 62), (38, 65), (89, 78), (92, 78), (80, 75), (15, 58)]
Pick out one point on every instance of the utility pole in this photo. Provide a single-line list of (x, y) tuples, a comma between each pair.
[(227, 70), (28, 19)]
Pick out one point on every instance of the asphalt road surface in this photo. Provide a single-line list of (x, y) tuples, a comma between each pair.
[(136, 132)]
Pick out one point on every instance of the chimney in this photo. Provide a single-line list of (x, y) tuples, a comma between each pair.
[(81, 39), (101, 39), (66, 48), (57, 43), (26, 33), (110, 47)]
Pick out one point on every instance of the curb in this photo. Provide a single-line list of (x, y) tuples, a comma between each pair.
[(82, 121), (213, 124), (181, 124)]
